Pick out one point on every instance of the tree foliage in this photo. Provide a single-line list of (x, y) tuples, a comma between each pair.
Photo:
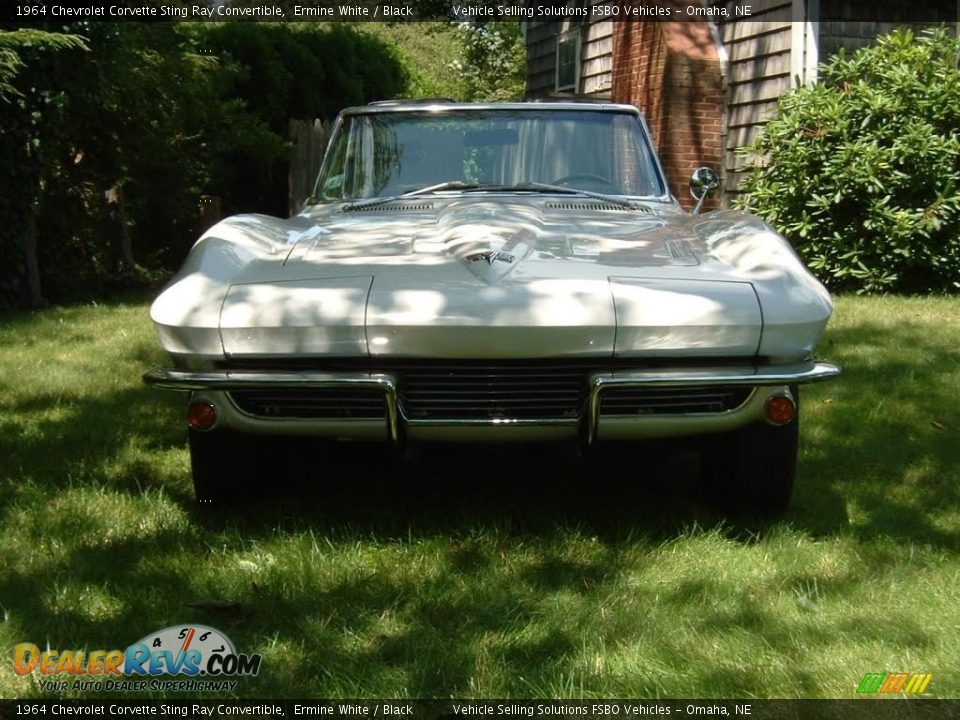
[(292, 70), (862, 171), (466, 61), (492, 61), (428, 52), (113, 131), (30, 106)]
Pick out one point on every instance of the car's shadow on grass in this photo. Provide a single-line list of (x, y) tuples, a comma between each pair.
[(618, 492)]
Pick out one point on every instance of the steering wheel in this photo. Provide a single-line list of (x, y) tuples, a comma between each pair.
[(583, 177)]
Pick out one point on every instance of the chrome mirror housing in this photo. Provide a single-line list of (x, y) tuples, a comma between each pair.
[(703, 184)]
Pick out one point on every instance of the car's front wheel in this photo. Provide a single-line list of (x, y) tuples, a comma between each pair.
[(752, 469)]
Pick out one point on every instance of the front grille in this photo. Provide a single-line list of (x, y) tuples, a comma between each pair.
[(629, 401), (333, 404), (481, 390), (495, 391)]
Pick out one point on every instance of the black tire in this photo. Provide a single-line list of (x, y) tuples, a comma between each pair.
[(752, 470), (222, 465)]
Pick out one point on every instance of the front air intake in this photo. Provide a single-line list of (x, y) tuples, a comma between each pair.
[(316, 403), (637, 400), (390, 207), (594, 206)]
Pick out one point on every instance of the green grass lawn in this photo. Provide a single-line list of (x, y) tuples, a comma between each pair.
[(480, 574)]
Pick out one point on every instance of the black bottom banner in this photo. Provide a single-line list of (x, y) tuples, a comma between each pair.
[(860, 709)]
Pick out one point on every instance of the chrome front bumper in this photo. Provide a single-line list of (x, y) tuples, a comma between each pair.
[(590, 427)]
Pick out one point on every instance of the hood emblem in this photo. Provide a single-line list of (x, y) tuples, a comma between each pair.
[(491, 256)]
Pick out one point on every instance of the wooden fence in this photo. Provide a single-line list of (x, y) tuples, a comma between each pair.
[(308, 141)]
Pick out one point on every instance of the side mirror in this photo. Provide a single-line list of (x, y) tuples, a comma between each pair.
[(703, 184)]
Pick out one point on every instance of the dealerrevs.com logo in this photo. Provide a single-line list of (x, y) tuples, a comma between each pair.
[(204, 655)]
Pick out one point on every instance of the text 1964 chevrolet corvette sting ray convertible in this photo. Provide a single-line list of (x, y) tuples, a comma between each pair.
[(493, 273)]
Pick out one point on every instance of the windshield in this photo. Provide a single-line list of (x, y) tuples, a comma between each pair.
[(392, 153)]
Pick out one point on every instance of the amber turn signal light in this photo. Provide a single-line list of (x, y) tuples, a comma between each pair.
[(780, 409), (201, 415)]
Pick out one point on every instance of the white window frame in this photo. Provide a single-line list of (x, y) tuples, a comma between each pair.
[(568, 34)]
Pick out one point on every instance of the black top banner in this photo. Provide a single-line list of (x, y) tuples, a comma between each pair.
[(39, 11), (32, 11), (861, 709)]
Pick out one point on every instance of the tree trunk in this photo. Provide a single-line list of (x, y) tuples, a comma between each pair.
[(209, 211), (33, 293), (118, 231)]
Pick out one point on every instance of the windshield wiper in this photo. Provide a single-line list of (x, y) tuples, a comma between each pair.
[(438, 187), (517, 187), (560, 189)]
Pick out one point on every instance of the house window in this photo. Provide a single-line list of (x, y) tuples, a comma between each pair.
[(568, 60)]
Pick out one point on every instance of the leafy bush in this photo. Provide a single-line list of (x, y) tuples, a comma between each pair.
[(862, 171)]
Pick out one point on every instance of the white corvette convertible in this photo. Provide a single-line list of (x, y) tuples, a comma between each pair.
[(496, 273)]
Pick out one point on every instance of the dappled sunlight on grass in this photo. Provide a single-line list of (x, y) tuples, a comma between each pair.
[(90, 602), (883, 438), (500, 577)]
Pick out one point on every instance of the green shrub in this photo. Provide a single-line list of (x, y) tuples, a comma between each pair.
[(862, 171)]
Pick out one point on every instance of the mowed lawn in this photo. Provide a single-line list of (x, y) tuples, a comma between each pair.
[(483, 573)]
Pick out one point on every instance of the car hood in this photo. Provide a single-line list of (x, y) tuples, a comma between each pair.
[(527, 234), (500, 277)]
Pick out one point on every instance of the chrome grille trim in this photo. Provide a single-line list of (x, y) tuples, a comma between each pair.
[(594, 383), (758, 376), (240, 380)]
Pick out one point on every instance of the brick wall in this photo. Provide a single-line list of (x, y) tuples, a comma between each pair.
[(671, 71)]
